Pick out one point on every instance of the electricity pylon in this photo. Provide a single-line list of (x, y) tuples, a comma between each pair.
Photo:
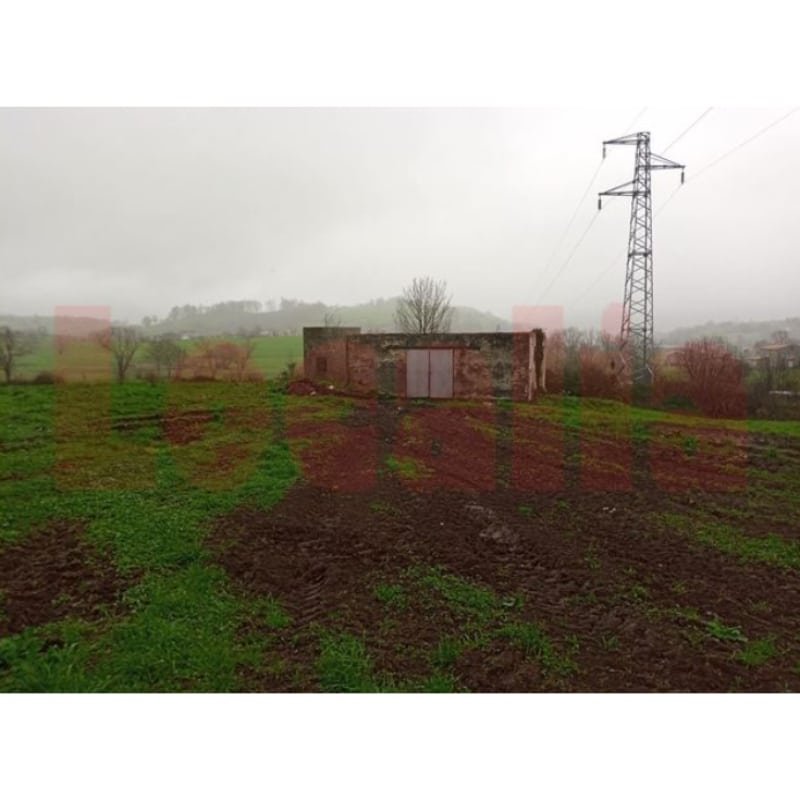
[(636, 335)]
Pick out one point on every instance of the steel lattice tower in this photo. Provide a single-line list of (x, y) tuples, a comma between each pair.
[(636, 334)]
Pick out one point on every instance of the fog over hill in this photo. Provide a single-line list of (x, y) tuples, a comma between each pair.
[(140, 208), (290, 316), (282, 317)]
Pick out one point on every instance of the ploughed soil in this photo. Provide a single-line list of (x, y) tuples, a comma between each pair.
[(53, 574), (631, 603)]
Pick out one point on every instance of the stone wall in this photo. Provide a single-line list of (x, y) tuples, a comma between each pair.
[(484, 364), (325, 354)]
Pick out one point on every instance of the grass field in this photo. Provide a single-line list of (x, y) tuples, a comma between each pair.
[(270, 357), (222, 537)]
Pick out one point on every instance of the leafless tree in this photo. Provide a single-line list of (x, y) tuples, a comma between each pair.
[(715, 376), (167, 355), (248, 339), (122, 343), (780, 337), (13, 344), (424, 307)]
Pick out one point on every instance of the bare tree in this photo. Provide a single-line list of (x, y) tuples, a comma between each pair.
[(780, 337), (424, 307), (122, 343), (167, 354), (715, 377), (13, 344), (331, 319)]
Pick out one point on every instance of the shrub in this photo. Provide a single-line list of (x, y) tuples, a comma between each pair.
[(598, 374), (47, 377), (714, 378), (149, 375)]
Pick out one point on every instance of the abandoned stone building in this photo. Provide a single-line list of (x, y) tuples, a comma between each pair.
[(440, 365)]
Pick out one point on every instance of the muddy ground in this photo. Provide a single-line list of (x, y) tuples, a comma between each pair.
[(477, 548), (53, 574), (634, 604)]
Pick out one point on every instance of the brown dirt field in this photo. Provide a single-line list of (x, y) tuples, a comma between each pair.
[(631, 599), (538, 455), (51, 575), (185, 427), (439, 437), (337, 455), (718, 465)]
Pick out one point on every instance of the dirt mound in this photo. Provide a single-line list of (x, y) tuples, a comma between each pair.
[(52, 574)]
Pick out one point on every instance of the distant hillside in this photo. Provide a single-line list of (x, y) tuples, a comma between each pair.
[(289, 318), (26, 323), (738, 334), (293, 315)]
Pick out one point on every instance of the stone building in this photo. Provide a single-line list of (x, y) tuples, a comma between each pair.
[(439, 365)]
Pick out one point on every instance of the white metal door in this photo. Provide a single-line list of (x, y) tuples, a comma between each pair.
[(441, 381), (417, 373)]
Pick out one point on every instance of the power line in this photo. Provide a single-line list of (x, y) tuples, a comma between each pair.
[(569, 258), (602, 275), (662, 206), (635, 120), (745, 142), (669, 199), (619, 255), (676, 140), (573, 218), (728, 153), (550, 260)]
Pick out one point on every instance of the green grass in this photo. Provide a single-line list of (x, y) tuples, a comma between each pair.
[(534, 643), (270, 612), (758, 652), (407, 467), (447, 652), (344, 665), (770, 549), (393, 595), (437, 683), (273, 353), (270, 356), (383, 508), (148, 505), (462, 595), (485, 617), (729, 633), (690, 445), (178, 626)]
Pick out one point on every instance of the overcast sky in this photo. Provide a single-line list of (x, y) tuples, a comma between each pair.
[(146, 209)]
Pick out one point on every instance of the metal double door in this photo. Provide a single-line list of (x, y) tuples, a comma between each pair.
[(429, 373)]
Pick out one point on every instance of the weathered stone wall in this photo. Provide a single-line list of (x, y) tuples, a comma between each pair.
[(362, 365), (325, 354), (472, 373), (484, 364)]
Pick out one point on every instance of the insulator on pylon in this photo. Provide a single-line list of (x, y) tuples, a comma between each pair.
[(683, 177), (604, 151), (599, 203)]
